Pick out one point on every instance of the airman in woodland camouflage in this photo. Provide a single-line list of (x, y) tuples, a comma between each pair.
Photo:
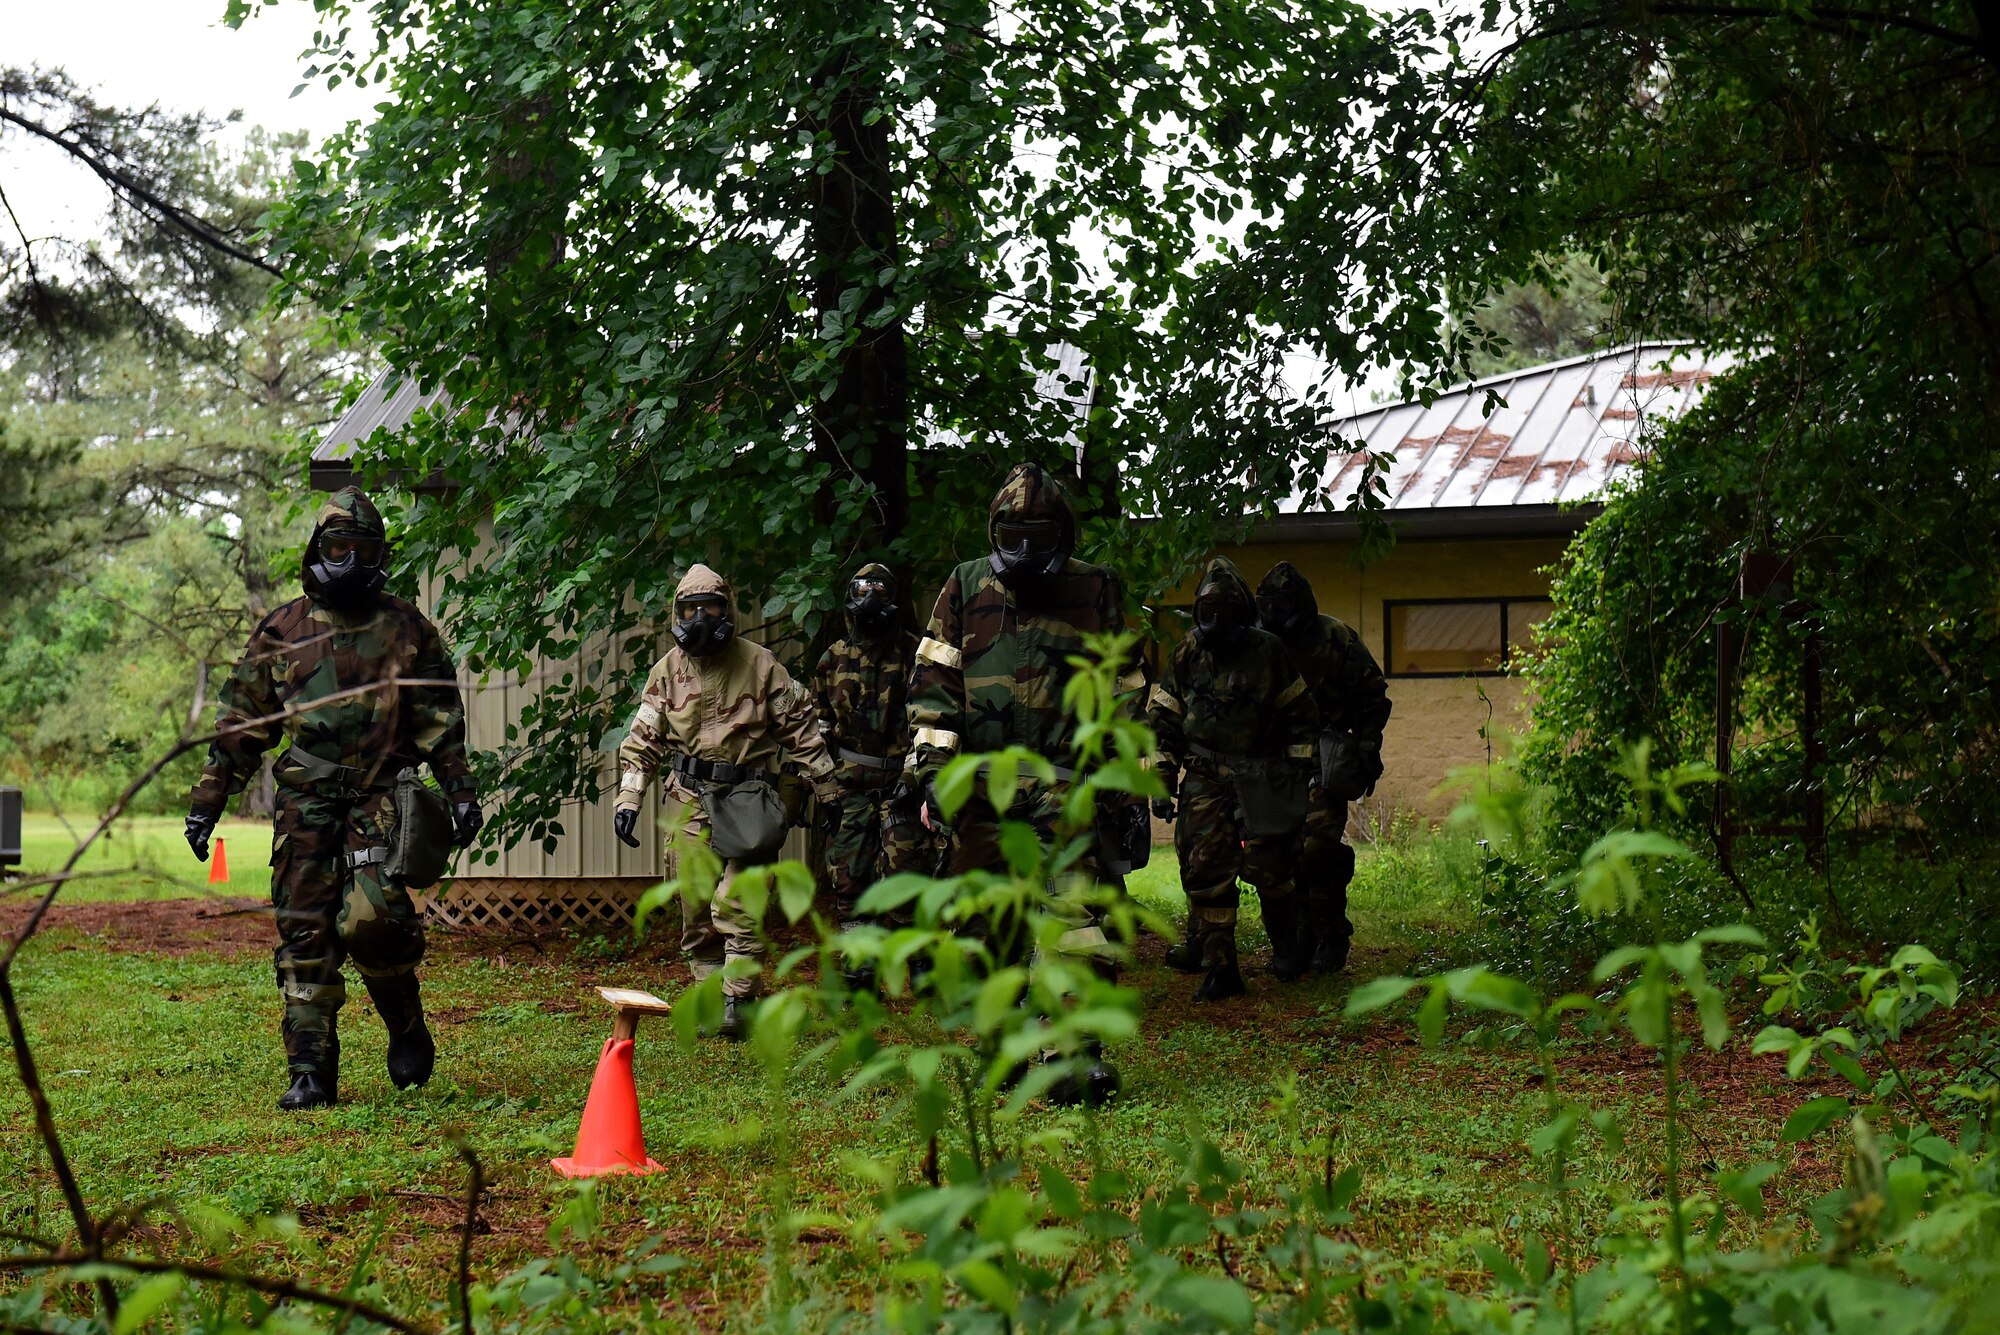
[(861, 687), (1353, 702), (992, 666), (359, 687), (1232, 714), (720, 714)]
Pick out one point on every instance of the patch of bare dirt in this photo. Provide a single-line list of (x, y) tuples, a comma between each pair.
[(170, 927)]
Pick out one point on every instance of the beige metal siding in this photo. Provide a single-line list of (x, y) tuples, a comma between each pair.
[(587, 847)]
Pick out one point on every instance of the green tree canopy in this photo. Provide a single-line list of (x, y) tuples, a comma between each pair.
[(772, 285), (1812, 187)]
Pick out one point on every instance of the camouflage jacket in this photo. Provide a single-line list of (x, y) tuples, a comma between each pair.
[(1343, 676), (991, 673), (1346, 683), (861, 688), (1249, 702), (739, 706), (302, 654), (992, 666)]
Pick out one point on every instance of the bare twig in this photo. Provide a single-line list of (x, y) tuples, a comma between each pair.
[(276, 1288), (475, 1183), (122, 183)]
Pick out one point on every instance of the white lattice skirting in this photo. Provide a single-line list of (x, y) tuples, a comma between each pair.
[(539, 904)]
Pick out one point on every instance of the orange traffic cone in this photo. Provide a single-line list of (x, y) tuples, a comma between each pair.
[(218, 869), (610, 1139)]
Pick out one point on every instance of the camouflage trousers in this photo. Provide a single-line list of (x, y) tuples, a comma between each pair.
[(1326, 867), (1214, 853), (328, 912), (875, 835), (721, 930), (975, 846)]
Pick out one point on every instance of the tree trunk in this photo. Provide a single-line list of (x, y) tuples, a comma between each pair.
[(862, 429)]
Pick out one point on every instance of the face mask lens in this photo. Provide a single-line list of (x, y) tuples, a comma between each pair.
[(705, 607), (869, 588), (1036, 538), (338, 549)]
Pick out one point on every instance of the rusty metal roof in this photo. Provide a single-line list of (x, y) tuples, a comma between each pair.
[(1562, 432)]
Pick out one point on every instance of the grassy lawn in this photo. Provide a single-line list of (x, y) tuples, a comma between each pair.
[(161, 1055), (144, 857)]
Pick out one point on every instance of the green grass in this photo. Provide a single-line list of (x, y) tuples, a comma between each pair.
[(163, 1069), (144, 858)]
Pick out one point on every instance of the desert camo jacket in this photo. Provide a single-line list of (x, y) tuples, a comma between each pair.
[(739, 706)]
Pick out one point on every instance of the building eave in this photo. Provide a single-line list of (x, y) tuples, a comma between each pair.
[(1435, 525)]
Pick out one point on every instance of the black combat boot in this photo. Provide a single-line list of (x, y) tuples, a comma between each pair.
[(1330, 950), (412, 1052), (735, 1024), (1186, 957), (318, 1085), (1291, 939), (1093, 1086), (1222, 981)]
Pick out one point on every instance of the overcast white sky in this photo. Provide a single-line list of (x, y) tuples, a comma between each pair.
[(173, 52)]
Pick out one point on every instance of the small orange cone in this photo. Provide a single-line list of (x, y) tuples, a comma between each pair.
[(610, 1139), (218, 870)]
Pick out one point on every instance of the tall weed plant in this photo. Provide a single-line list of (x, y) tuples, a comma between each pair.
[(993, 991)]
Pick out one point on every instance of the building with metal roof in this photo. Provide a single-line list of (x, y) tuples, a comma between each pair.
[(1485, 485), (1556, 437)]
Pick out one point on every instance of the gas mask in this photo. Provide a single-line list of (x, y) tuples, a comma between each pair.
[(1281, 615), (702, 626), (346, 570), (1028, 552), (1220, 628), (871, 607)]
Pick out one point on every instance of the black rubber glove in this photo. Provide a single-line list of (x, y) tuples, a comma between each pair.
[(200, 828), (626, 823), (1163, 807), (467, 819), (933, 810)]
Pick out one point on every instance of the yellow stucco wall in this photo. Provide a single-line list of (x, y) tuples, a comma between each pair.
[(1437, 720)]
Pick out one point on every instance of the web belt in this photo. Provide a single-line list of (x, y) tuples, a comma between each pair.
[(872, 762), (320, 770), (1225, 758), (717, 771)]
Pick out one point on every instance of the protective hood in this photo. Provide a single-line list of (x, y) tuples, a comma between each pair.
[(701, 582), (704, 636), (1028, 494), (1223, 582), (1287, 581), (347, 585), (875, 615), (1225, 610)]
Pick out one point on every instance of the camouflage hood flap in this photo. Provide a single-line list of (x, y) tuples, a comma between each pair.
[(1030, 493), (701, 582), (876, 570), (350, 510), (1222, 580), (1288, 580)]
